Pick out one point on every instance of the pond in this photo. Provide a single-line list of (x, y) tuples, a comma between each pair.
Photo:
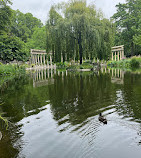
[(55, 114)]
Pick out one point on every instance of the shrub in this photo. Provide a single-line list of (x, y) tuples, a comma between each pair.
[(134, 63)]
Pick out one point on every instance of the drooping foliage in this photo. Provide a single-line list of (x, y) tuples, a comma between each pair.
[(78, 31), (128, 24)]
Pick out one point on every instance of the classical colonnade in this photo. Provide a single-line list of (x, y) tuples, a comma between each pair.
[(117, 52), (40, 57)]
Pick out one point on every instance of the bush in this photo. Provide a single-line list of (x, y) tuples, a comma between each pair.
[(134, 63)]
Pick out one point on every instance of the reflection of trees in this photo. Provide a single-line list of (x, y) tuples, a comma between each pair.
[(80, 96), (131, 93), (20, 97)]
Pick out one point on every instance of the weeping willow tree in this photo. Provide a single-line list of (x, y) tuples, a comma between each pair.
[(77, 31)]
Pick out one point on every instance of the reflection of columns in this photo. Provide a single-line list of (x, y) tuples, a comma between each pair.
[(51, 72), (39, 75), (105, 70), (115, 72), (115, 55), (48, 73), (112, 72), (45, 73), (42, 74), (118, 73), (112, 55), (58, 73), (66, 72)]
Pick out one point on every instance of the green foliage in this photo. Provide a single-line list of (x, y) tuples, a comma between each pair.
[(23, 25), (134, 63), (5, 16), (16, 29), (79, 31), (12, 48), (128, 24), (11, 69), (38, 39)]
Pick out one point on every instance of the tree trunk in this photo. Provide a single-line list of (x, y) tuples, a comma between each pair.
[(80, 47)]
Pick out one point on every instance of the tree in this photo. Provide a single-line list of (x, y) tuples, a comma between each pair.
[(5, 16), (127, 20), (38, 39), (23, 24), (78, 31)]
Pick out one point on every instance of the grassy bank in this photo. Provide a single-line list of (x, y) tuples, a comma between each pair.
[(129, 63)]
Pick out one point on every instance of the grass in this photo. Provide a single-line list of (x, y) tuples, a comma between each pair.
[(74, 66)]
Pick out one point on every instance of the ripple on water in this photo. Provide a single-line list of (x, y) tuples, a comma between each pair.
[(45, 137)]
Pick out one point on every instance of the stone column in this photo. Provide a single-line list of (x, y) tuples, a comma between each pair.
[(50, 60), (122, 53), (44, 60), (118, 55), (115, 55), (41, 59), (112, 56), (38, 60)]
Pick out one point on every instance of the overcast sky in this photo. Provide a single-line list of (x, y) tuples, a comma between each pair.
[(40, 8)]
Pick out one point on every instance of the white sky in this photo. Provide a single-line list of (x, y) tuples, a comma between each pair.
[(40, 8)]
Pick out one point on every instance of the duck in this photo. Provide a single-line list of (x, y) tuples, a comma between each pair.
[(102, 119)]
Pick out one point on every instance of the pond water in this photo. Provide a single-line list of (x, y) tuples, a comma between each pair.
[(55, 115)]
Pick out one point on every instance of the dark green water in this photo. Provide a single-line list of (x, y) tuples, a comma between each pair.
[(55, 115)]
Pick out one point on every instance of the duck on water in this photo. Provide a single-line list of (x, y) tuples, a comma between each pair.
[(102, 119)]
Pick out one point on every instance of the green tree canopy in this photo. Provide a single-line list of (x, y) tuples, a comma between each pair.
[(78, 31), (127, 20)]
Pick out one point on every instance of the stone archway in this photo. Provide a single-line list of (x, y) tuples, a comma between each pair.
[(118, 52)]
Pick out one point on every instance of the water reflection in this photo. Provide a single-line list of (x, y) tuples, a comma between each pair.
[(59, 111)]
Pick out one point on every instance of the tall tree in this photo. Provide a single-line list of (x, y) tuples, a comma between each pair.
[(78, 30), (127, 20)]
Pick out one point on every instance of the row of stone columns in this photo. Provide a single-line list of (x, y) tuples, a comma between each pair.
[(118, 55), (39, 59)]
